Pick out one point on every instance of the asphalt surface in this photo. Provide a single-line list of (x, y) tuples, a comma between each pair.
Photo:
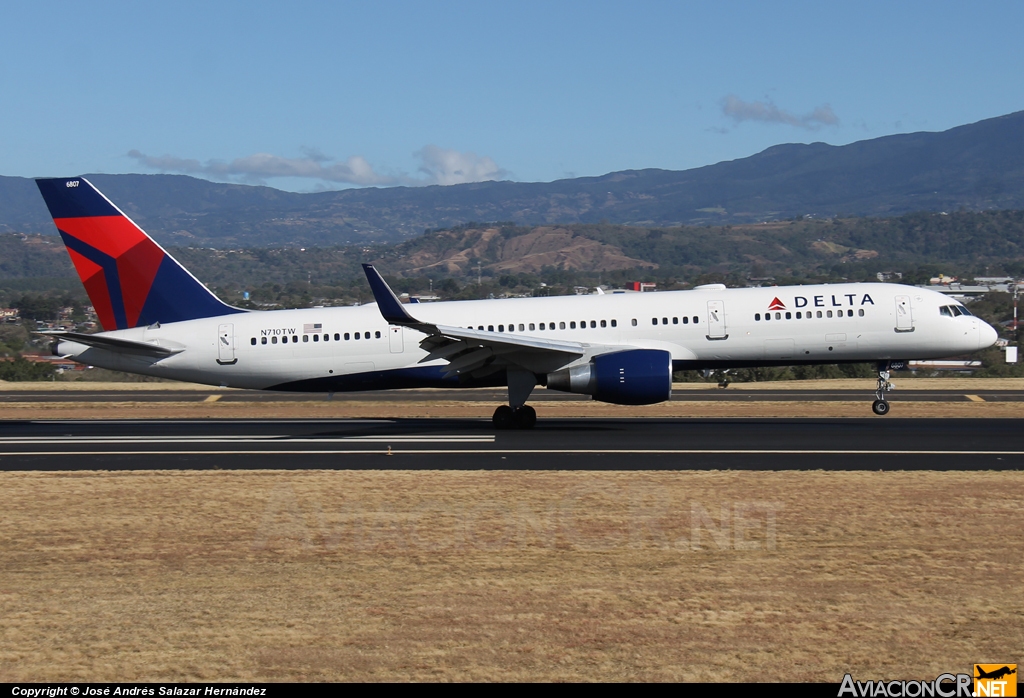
[(498, 396), (555, 444)]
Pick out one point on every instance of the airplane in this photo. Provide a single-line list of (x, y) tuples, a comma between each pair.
[(994, 674), (159, 320)]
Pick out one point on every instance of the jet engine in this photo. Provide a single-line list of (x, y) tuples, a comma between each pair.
[(632, 377)]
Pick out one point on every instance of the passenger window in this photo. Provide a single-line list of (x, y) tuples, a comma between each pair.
[(615, 323), (798, 315), (819, 313), (532, 327), (572, 325), (767, 317), (789, 316), (377, 334), (675, 321), (757, 317), (654, 321), (686, 320), (490, 328), (253, 342), (542, 325), (593, 323), (263, 340), (695, 321), (604, 324), (561, 325), (861, 312), (634, 322), (778, 316), (316, 338), (664, 321), (327, 337), (828, 313), (346, 336), (305, 338), (295, 339), (337, 337), (480, 327), (849, 313), (521, 327), (501, 328), (273, 340)]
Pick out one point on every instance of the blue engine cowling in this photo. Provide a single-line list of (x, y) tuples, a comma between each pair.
[(631, 377)]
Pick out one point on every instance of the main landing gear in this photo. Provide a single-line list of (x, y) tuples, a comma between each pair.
[(517, 414), (880, 406), (507, 418)]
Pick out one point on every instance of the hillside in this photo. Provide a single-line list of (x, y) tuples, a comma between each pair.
[(854, 248), (975, 167)]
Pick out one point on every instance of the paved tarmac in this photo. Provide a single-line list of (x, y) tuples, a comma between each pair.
[(555, 444), (498, 396)]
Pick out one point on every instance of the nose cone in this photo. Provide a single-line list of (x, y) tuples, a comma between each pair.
[(987, 335)]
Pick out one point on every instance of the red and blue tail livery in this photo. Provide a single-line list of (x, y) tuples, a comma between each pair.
[(130, 279)]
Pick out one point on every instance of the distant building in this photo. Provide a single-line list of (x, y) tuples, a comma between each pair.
[(884, 276), (641, 286), (9, 315)]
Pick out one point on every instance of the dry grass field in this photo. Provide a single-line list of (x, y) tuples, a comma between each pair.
[(646, 576), (357, 575)]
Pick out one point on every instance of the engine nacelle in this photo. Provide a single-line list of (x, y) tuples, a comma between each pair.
[(632, 377)]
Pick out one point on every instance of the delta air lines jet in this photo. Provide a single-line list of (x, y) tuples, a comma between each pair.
[(158, 320)]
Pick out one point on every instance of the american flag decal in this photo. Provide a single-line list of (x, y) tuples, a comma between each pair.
[(309, 328)]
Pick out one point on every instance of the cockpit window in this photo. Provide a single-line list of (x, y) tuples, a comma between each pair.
[(954, 311)]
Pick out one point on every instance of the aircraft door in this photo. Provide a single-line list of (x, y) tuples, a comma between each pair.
[(395, 336), (716, 320), (226, 344), (904, 314)]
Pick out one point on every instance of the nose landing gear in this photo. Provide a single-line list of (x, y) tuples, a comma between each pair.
[(880, 406)]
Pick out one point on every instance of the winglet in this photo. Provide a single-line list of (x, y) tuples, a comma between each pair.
[(390, 307)]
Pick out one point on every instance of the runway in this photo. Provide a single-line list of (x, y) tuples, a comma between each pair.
[(497, 396), (473, 444)]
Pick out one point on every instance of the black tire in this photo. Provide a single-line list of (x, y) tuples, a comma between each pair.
[(504, 417), (880, 407), (525, 417)]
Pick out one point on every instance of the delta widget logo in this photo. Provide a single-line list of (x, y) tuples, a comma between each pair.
[(776, 304)]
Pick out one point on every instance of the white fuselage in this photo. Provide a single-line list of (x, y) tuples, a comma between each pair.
[(317, 348)]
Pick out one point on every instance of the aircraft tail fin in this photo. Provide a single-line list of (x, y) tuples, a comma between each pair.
[(130, 279)]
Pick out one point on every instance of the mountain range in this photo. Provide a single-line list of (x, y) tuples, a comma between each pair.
[(976, 167)]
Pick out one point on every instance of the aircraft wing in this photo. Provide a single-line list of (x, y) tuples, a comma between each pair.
[(477, 352), (115, 344)]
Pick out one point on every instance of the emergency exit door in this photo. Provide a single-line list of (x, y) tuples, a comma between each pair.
[(226, 344)]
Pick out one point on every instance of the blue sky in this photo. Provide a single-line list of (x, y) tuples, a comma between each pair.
[(306, 96)]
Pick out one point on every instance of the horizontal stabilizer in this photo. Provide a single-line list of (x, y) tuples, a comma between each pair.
[(115, 344)]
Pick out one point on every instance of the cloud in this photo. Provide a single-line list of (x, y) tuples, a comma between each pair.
[(452, 167), (766, 112), (438, 166), (259, 167)]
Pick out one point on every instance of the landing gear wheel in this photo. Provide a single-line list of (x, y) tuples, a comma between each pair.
[(504, 417), (880, 407), (525, 417)]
